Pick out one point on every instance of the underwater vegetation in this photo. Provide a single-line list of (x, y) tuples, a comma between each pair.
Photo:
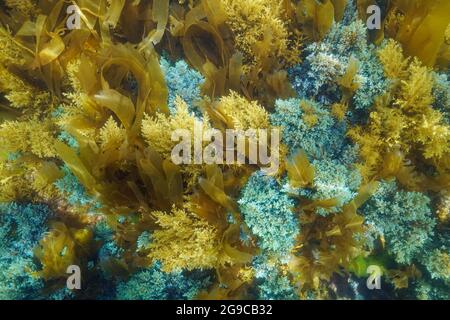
[(87, 112)]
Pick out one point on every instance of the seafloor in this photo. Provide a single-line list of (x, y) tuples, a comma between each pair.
[(92, 205)]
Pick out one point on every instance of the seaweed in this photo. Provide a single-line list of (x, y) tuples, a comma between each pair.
[(86, 171)]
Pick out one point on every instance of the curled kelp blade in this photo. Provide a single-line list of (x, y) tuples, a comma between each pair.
[(121, 105), (230, 238), (299, 170), (69, 156)]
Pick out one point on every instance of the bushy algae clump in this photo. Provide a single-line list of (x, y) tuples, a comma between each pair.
[(87, 179)]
